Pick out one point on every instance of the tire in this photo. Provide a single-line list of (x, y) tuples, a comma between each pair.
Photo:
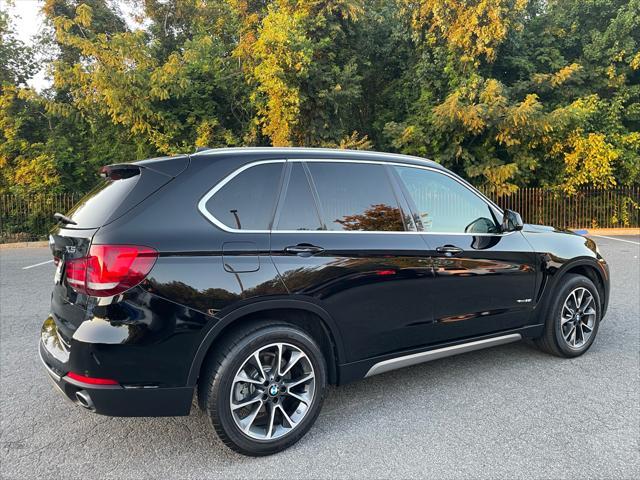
[(232, 377), (558, 338)]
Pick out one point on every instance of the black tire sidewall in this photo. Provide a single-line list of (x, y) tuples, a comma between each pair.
[(571, 284), (219, 399)]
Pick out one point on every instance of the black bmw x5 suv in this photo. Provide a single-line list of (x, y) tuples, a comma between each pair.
[(254, 277)]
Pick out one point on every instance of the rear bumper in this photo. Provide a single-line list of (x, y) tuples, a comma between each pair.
[(119, 400)]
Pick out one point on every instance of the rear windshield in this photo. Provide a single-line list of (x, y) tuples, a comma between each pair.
[(100, 203)]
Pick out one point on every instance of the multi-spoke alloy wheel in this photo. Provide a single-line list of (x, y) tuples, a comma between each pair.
[(272, 391), (573, 317), (263, 386), (578, 317)]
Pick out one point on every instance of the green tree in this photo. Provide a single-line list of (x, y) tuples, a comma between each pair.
[(508, 93), (525, 93), (304, 74), (17, 63)]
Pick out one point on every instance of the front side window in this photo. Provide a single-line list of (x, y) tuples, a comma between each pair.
[(356, 197), (445, 205), (247, 201)]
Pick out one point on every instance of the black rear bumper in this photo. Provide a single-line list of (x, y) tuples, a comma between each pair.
[(118, 400)]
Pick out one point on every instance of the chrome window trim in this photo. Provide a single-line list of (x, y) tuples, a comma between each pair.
[(202, 204), (209, 216)]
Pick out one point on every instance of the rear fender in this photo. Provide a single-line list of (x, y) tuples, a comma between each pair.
[(264, 306)]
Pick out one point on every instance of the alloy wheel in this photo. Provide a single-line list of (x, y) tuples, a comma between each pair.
[(578, 318), (272, 391)]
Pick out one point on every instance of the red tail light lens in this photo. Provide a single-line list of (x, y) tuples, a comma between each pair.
[(384, 273), (110, 269), (76, 274), (91, 380)]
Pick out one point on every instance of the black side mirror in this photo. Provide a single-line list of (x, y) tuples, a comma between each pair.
[(511, 221)]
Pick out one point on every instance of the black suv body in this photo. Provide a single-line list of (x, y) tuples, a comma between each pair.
[(238, 272)]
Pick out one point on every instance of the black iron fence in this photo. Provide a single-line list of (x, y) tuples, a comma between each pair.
[(30, 218), (587, 208)]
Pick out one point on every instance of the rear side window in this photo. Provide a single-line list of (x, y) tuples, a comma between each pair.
[(356, 197), (298, 210), (247, 201), (100, 203), (445, 205)]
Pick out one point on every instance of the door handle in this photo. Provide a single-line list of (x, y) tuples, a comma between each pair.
[(303, 250), (449, 250)]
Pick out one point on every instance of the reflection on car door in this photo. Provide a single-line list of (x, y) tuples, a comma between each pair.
[(485, 280), (339, 238)]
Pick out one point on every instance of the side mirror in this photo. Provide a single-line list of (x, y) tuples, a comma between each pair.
[(511, 221)]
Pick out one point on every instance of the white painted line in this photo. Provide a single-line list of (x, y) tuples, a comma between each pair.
[(37, 265), (618, 239)]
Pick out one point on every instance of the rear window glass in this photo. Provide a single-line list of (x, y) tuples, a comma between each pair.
[(100, 203), (298, 211), (247, 201), (356, 196)]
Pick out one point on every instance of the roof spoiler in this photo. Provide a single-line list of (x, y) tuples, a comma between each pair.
[(119, 171), (166, 166)]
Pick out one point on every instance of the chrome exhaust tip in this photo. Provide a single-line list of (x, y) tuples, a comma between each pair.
[(84, 400)]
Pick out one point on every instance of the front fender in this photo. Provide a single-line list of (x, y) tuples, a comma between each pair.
[(554, 271)]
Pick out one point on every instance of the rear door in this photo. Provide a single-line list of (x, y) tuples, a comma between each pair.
[(485, 279), (343, 237)]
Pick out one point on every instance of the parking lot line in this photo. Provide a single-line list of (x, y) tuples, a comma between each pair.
[(618, 239), (37, 265)]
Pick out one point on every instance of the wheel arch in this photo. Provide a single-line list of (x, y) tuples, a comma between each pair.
[(587, 269), (584, 266), (308, 316)]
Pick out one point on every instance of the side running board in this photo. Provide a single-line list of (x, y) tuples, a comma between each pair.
[(414, 359)]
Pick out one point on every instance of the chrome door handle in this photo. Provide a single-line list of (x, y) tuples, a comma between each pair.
[(303, 250), (449, 250)]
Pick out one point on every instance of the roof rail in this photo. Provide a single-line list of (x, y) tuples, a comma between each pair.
[(285, 150)]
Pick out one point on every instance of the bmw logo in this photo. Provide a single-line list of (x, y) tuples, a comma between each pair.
[(273, 390)]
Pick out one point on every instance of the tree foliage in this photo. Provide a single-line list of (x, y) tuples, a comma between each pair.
[(508, 93)]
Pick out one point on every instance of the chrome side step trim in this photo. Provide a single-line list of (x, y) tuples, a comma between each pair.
[(414, 359)]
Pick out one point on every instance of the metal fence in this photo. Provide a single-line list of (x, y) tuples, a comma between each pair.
[(587, 208), (27, 218), (31, 218)]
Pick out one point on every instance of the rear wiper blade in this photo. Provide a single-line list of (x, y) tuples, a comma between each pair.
[(60, 218)]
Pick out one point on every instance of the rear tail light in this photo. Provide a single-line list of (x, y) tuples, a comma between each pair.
[(91, 380), (384, 273), (110, 269)]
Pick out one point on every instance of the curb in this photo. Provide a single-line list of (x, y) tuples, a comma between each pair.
[(7, 246), (608, 231)]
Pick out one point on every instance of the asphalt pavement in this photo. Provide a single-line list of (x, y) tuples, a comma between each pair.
[(505, 412)]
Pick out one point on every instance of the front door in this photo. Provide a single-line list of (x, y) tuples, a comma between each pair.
[(344, 238), (485, 280)]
